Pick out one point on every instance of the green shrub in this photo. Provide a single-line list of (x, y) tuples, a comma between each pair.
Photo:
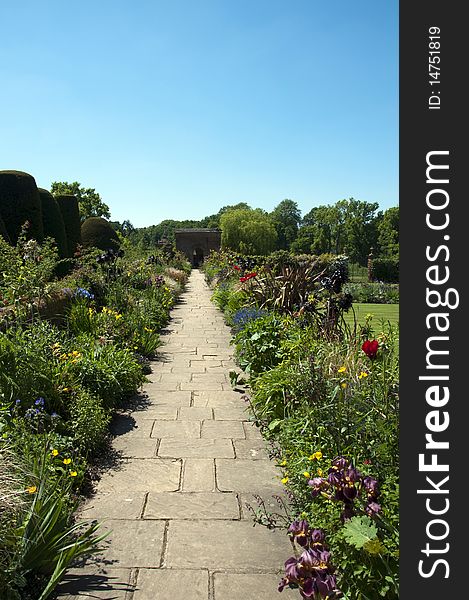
[(52, 221), (373, 293), (98, 233), (386, 269), (20, 203), (68, 205), (111, 372), (3, 230), (88, 421)]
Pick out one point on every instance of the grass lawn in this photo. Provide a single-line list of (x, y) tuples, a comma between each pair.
[(386, 312)]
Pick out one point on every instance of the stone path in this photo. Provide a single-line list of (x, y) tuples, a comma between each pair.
[(191, 460)]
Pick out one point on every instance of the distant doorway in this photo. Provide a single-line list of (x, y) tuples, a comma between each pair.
[(197, 257)]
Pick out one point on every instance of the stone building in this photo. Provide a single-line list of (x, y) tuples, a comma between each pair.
[(197, 243)]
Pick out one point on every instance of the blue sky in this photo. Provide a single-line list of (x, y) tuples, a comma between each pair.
[(173, 109)]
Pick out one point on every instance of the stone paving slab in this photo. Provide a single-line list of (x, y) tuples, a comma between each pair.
[(132, 544), (105, 506), (246, 475), (198, 475), (95, 582), (225, 545), (164, 412), (176, 429), (206, 448), (171, 584), (156, 475), (193, 413), (251, 449), (222, 429), (248, 586), (146, 448), (192, 505)]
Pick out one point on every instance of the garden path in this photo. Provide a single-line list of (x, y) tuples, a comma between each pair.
[(191, 460)]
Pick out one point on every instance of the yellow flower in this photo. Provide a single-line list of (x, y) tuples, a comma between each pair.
[(363, 374), (67, 461), (73, 473), (54, 452), (149, 330), (283, 463), (32, 489), (316, 455), (66, 389), (285, 480), (306, 474), (343, 385), (342, 370), (320, 472)]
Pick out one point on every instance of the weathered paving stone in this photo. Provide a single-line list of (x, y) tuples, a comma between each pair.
[(192, 413), (154, 412), (132, 544), (201, 385), (204, 448), (222, 429), (198, 475), (192, 505), (250, 449), (272, 500), (246, 475), (225, 545), (171, 584), (125, 426), (231, 413), (95, 582), (145, 448), (176, 429), (106, 506), (244, 586), (252, 432), (156, 474), (209, 377), (173, 399)]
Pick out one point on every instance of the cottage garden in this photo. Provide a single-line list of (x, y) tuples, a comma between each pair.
[(82, 310)]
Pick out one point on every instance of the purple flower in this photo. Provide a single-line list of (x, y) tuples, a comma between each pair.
[(17, 401), (372, 509), (39, 402), (298, 531)]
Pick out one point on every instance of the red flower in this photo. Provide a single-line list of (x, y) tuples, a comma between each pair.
[(236, 267), (243, 279), (370, 348)]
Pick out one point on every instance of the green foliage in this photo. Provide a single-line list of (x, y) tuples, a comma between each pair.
[(286, 216), (388, 233), (52, 221), (89, 421), (359, 531), (258, 344), (89, 201), (3, 231), (112, 373), (20, 203), (373, 293), (99, 233), (68, 205), (386, 270), (248, 231)]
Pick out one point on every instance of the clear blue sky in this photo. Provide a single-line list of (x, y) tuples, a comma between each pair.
[(175, 108)]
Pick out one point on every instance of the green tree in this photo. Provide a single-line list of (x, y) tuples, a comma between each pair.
[(247, 230), (286, 217), (388, 233), (89, 201)]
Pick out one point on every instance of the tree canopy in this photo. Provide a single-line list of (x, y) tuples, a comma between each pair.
[(89, 201), (247, 230)]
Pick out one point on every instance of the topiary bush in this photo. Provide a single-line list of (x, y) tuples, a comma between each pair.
[(3, 231), (20, 202), (98, 233), (68, 205), (52, 221)]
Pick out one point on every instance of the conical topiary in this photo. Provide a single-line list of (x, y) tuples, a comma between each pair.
[(20, 203), (99, 233), (68, 205), (52, 221)]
